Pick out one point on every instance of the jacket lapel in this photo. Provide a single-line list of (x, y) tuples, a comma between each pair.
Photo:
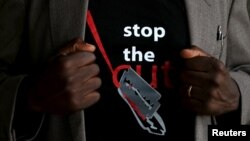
[(203, 24), (204, 17), (199, 14), (67, 20), (68, 16)]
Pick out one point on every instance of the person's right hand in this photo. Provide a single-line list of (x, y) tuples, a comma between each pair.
[(70, 82)]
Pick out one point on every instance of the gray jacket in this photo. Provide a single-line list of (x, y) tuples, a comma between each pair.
[(248, 6), (41, 27)]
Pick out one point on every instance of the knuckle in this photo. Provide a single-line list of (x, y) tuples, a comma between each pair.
[(220, 66), (218, 74), (217, 65), (73, 104), (92, 84), (97, 82), (89, 55), (213, 93), (97, 96), (69, 91), (210, 91), (218, 79), (66, 80), (234, 105), (64, 64), (69, 80), (90, 100), (211, 108), (95, 68)]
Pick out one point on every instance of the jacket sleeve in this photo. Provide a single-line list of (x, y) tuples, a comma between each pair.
[(11, 27), (238, 54), (12, 19)]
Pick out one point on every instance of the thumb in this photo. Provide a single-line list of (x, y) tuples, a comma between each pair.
[(193, 52), (75, 46)]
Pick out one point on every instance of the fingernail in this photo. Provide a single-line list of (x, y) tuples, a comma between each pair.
[(90, 46)]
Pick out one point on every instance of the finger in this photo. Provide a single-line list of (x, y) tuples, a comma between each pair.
[(77, 60), (87, 87), (86, 72), (91, 85), (75, 46), (195, 78), (203, 64), (209, 107), (89, 100), (194, 92), (193, 52), (87, 95)]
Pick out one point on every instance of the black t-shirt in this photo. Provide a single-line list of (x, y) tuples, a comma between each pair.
[(139, 42)]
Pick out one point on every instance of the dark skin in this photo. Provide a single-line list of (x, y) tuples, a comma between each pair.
[(213, 92), (69, 83)]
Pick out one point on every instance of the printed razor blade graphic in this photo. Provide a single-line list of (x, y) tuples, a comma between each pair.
[(143, 100), (136, 92)]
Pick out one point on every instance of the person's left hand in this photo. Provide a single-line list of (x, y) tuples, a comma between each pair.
[(206, 85)]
